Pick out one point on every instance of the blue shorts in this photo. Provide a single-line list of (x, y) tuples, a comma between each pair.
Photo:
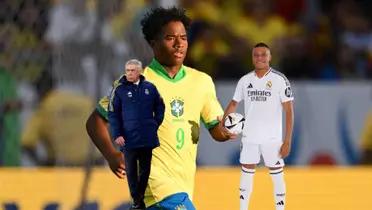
[(178, 201)]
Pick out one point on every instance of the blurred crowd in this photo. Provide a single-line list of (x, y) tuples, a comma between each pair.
[(55, 52), (318, 40)]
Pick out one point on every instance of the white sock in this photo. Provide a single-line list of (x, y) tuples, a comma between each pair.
[(246, 186), (277, 176)]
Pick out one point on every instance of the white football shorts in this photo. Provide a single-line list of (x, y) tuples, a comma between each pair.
[(250, 154)]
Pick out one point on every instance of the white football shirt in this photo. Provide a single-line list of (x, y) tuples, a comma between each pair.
[(263, 98)]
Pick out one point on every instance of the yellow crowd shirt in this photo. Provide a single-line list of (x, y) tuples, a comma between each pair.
[(59, 124), (189, 97), (366, 135)]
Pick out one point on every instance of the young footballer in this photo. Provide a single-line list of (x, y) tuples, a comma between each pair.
[(189, 95), (265, 92)]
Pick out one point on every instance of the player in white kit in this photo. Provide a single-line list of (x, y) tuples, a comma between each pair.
[(266, 92)]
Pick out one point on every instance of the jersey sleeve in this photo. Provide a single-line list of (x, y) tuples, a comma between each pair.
[(211, 108), (103, 104), (102, 107), (285, 91), (238, 94)]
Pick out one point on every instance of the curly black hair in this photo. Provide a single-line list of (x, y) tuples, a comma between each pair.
[(154, 20)]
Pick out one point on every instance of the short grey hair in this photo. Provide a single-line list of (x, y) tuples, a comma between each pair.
[(134, 62)]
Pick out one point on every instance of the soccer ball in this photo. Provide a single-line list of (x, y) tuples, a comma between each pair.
[(234, 122)]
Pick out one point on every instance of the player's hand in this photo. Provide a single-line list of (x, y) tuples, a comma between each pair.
[(117, 164), (120, 141), (285, 149), (224, 131)]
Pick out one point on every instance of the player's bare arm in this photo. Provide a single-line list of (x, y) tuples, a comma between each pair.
[(98, 132), (289, 118), (231, 107)]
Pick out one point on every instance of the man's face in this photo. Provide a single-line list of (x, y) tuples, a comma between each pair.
[(132, 72), (170, 47), (261, 58)]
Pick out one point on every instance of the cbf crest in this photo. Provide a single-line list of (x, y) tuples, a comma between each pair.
[(177, 105)]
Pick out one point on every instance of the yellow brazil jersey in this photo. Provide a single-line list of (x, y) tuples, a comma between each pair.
[(189, 97)]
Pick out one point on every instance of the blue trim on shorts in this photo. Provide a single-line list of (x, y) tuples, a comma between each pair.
[(178, 201)]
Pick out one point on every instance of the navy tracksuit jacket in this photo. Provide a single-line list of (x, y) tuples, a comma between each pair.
[(136, 112)]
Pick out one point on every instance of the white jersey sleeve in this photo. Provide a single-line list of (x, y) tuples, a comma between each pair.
[(286, 93), (239, 91)]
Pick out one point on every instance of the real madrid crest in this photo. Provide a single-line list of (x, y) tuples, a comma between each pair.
[(129, 94), (269, 85), (147, 91)]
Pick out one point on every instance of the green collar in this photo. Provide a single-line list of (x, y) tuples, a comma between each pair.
[(159, 69)]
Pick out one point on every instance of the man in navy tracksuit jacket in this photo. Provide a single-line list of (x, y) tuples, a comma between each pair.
[(136, 111)]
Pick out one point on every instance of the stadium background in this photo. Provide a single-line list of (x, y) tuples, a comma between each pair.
[(59, 56)]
